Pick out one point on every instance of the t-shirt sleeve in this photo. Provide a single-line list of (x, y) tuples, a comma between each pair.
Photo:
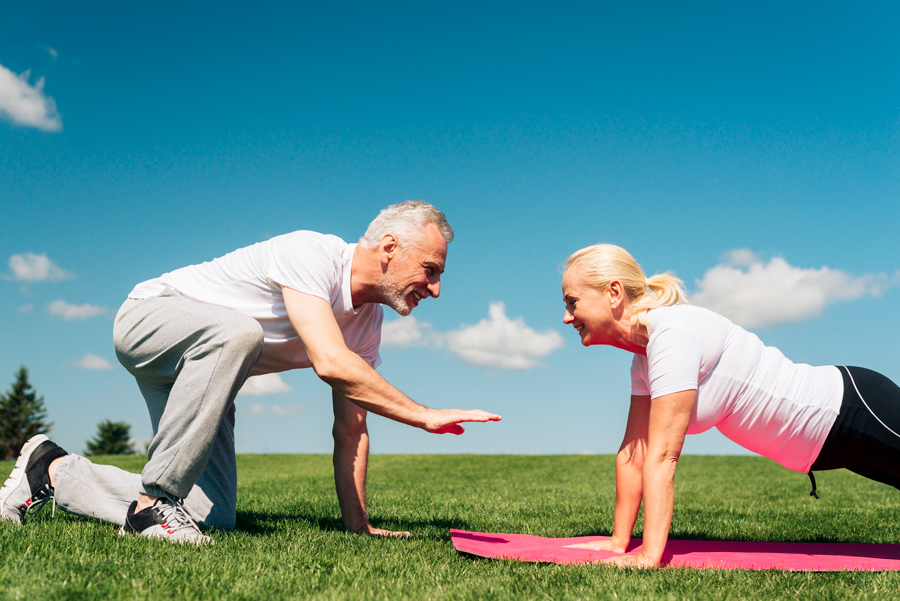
[(673, 362), (303, 264), (370, 338), (640, 385)]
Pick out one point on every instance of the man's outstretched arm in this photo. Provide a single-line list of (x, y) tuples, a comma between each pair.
[(351, 377), (351, 455)]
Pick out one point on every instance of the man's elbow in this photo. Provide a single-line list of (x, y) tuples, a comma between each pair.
[(348, 435), (330, 369)]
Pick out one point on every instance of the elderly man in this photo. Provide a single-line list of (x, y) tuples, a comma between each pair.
[(192, 337)]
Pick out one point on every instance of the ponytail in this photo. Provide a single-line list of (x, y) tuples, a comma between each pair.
[(661, 290)]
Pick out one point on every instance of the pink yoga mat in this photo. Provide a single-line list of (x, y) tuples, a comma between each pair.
[(816, 557)]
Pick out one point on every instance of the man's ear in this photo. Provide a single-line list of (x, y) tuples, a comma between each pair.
[(389, 248)]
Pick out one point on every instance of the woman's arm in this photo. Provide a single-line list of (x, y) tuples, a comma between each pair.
[(629, 484), (669, 417), (629, 470)]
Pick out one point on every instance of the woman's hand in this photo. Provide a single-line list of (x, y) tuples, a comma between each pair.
[(612, 545)]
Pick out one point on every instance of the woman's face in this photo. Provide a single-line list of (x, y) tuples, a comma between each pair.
[(588, 310)]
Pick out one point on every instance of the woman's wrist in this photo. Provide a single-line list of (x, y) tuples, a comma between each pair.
[(646, 561)]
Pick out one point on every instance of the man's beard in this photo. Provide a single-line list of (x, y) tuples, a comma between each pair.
[(392, 297)]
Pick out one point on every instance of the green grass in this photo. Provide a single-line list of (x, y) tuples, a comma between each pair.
[(289, 542)]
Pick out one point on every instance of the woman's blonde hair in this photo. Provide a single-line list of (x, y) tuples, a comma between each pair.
[(601, 264)]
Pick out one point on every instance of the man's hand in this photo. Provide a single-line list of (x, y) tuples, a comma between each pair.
[(354, 379), (631, 561), (373, 531), (612, 544), (447, 421)]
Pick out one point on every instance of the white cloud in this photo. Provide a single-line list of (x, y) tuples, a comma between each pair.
[(408, 331), (493, 342), (502, 342), (264, 384), (257, 410), (70, 312), (758, 294), (26, 308), (94, 362), (24, 104), (30, 267), (741, 257)]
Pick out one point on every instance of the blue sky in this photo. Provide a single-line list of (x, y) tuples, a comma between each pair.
[(754, 150)]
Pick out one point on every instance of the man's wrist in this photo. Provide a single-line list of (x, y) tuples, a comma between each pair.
[(423, 418), (360, 530)]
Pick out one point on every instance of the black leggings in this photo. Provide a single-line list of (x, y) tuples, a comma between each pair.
[(865, 438)]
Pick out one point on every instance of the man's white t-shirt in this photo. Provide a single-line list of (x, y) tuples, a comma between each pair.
[(249, 281), (751, 392)]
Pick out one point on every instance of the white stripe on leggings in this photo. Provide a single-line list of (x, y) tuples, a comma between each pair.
[(866, 404)]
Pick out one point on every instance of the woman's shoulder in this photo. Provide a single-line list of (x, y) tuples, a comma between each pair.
[(692, 318), (684, 311)]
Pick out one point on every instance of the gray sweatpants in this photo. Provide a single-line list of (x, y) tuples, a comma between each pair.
[(189, 360)]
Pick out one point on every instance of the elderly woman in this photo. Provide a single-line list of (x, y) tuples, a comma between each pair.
[(694, 369)]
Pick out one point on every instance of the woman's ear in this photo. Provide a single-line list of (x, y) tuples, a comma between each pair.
[(616, 293)]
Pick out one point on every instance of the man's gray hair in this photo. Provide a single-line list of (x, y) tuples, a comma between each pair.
[(406, 220)]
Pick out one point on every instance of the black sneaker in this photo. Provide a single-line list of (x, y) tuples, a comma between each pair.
[(164, 519), (28, 487)]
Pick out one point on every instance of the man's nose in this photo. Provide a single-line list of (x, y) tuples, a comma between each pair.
[(435, 289)]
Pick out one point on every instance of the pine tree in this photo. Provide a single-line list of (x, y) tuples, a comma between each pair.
[(22, 415), (113, 438)]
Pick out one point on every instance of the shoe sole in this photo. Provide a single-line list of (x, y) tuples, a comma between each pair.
[(202, 540), (15, 478)]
